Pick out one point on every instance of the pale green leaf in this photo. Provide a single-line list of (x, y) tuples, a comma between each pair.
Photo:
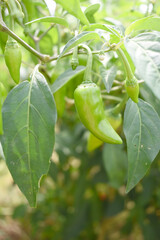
[(82, 37), (145, 53), (90, 11), (142, 131), (74, 8), (105, 27), (29, 117), (147, 23), (56, 20), (108, 76), (114, 22), (66, 77)]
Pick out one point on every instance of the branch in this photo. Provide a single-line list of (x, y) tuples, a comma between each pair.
[(4, 28), (43, 57), (79, 52)]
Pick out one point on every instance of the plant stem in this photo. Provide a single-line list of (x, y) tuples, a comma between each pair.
[(113, 89), (44, 33), (127, 66), (88, 71), (4, 28), (74, 61), (121, 105), (79, 52), (44, 58)]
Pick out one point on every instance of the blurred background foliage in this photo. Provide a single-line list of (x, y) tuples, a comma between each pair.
[(81, 198)]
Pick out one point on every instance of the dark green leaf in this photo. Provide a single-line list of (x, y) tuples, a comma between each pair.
[(115, 163), (145, 53), (108, 76), (29, 117), (65, 77), (142, 131), (148, 96)]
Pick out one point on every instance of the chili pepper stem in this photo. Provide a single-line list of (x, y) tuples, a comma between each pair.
[(119, 107), (127, 66), (74, 61), (88, 71)]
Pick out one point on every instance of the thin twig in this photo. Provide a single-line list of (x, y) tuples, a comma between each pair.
[(118, 82), (44, 33), (108, 97), (69, 100), (4, 28), (116, 88), (79, 52)]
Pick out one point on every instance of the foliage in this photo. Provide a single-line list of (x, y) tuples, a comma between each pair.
[(43, 141)]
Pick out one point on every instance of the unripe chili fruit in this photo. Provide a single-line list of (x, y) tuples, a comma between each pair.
[(115, 121), (13, 58), (89, 106), (132, 88), (74, 63)]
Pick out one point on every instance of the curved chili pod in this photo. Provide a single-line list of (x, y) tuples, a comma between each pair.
[(115, 121), (89, 106)]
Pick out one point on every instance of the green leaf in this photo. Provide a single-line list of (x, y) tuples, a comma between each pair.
[(108, 76), (90, 11), (148, 96), (142, 131), (56, 20), (107, 28), (29, 117), (149, 23), (115, 164), (114, 22), (66, 77), (145, 53), (73, 7), (30, 7), (82, 37)]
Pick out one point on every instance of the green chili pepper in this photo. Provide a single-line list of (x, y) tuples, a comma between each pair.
[(131, 83), (13, 57), (115, 121), (74, 61), (89, 106), (132, 88), (59, 98)]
